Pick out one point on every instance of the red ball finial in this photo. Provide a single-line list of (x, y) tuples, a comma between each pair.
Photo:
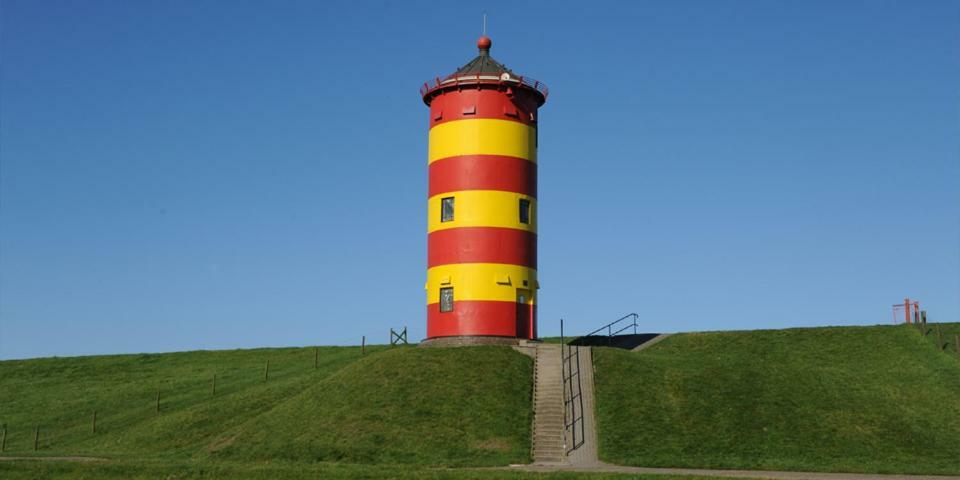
[(484, 43)]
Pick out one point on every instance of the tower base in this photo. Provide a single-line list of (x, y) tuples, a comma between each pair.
[(472, 341)]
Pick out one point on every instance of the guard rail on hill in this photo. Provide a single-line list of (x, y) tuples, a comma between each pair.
[(617, 327)]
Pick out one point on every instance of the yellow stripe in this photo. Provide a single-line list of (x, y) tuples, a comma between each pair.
[(481, 281), (482, 208), (483, 136)]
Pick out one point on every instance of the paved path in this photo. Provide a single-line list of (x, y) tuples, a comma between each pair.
[(606, 468), (653, 341)]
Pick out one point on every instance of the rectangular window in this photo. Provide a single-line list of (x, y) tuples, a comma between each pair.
[(446, 299), (446, 209), (524, 210)]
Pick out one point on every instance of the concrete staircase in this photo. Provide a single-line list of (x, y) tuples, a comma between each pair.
[(548, 441)]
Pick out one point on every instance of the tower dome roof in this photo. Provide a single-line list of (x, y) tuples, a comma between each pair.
[(483, 63), (483, 69)]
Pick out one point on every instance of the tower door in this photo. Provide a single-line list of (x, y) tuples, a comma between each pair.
[(524, 314)]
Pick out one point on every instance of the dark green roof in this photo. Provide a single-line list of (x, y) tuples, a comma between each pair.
[(483, 64)]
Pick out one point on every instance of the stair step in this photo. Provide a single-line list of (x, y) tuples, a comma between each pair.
[(543, 446), (549, 419), (544, 452), (548, 441), (556, 456)]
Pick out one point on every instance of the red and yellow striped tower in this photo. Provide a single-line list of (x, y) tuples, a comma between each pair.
[(482, 207)]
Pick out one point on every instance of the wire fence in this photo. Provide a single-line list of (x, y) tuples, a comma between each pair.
[(946, 336), (43, 436)]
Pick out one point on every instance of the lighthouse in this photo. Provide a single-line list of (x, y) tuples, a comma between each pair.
[(482, 202)]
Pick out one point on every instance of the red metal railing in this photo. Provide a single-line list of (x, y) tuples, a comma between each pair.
[(457, 80)]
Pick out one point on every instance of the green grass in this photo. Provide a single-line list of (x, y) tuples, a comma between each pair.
[(438, 407), (399, 405), (847, 399), (946, 338), (60, 395), (280, 471)]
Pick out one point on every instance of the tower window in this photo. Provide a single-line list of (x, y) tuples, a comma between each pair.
[(524, 210), (446, 209), (446, 299)]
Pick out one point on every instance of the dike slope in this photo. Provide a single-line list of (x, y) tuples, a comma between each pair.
[(843, 399)]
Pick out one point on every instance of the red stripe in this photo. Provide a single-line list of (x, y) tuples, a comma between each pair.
[(481, 317), (487, 102), (482, 245), (483, 172)]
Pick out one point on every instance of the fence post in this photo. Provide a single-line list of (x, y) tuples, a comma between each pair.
[(158, 400), (316, 358), (266, 371), (363, 345), (94, 421), (3, 440), (213, 388), (36, 438), (957, 339)]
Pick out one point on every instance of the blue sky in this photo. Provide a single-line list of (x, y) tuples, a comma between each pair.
[(200, 175)]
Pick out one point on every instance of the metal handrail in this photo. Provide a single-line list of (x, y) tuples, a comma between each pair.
[(576, 416), (609, 327)]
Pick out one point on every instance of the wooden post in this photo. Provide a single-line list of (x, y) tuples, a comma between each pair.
[(957, 339), (316, 358), (158, 400), (266, 371), (363, 345), (213, 389), (36, 439), (94, 421)]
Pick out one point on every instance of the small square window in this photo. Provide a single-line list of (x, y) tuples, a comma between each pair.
[(446, 299), (446, 209), (524, 210)]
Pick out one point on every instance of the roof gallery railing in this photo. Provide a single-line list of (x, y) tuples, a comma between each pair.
[(457, 80)]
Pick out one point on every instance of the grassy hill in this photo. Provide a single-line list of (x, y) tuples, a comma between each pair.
[(438, 407), (399, 405), (854, 399)]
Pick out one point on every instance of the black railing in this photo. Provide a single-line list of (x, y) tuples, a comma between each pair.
[(616, 327), (572, 400), (398, 337)]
